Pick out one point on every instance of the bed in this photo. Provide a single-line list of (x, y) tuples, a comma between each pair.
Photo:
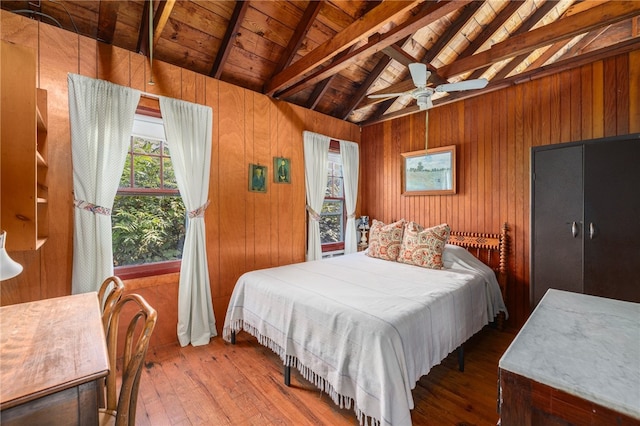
[(364, 330)]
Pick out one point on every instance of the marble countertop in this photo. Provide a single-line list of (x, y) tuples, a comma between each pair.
[(584, 345)]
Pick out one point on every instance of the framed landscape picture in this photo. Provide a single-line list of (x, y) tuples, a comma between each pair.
[(430, 172)]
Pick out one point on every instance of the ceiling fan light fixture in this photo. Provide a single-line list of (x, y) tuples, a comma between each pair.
[(424, 101)]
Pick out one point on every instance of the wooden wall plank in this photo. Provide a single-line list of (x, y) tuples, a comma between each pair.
[(622, 94), (610, 97), (598, 99), (252, 198), (634, 92), (59, 56)]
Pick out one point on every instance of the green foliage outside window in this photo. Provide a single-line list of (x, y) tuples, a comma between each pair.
[(148, 215)]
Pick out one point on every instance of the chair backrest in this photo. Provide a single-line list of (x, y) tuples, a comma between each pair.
[(136, 343), (109, 293)]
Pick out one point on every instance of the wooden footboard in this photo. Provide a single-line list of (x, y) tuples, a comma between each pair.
[(491, 249)]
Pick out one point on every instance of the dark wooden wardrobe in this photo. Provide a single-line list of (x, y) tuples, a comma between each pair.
[(585, 218)]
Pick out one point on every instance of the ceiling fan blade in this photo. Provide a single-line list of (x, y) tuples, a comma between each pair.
[(387, 95), (477, 83), (419, 74)]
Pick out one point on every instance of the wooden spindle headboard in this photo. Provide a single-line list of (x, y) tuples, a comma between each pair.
[(492, 249)]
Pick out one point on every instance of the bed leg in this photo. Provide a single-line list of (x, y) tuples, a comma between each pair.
[(233, 337), (461, 358), (287, 375)]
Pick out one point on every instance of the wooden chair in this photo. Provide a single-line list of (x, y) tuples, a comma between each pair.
[(110, 292), (121, 406)]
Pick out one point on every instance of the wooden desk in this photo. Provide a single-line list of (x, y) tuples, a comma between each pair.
[(52, 353)]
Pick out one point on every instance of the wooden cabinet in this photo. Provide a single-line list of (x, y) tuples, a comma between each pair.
[(574, 362), (584, 218), (24, 150)]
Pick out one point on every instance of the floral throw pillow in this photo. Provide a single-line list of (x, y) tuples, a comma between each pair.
[(385, 240), (423, 247)]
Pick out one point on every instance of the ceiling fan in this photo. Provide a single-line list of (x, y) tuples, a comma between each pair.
[(422, 93)]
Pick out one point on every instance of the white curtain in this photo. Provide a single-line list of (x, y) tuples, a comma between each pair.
[(188, 129), (350, 169), (316, 154), (101, 118)]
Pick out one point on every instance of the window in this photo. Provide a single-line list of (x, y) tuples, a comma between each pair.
[(148, 216), (333, 214)]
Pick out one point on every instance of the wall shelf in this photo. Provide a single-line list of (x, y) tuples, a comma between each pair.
[(25, 191)]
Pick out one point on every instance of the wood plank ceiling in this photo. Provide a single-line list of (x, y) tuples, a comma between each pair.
[(329, 55)]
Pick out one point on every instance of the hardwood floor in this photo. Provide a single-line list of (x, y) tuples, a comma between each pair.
[(223, 384)]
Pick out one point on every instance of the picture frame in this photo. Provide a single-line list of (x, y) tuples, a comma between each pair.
[(430, 172), (258, 178), (281, 170)]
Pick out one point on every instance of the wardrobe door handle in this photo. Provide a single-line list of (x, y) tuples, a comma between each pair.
[(592, 230), (574, 229)]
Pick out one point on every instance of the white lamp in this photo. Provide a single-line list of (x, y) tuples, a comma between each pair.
[(363, 227), (9, 268)]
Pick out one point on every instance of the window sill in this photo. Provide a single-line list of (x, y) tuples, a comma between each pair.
[(147, 270)]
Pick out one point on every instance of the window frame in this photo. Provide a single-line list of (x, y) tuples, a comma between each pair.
[(156, 268), (334, 147)]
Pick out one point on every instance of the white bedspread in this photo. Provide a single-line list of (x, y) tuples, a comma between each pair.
[(362, 329)]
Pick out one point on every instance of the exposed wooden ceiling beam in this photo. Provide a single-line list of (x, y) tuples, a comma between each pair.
[(142, 46), (544, 57), (160, 18), (309, 16), (584, 42), (232, 29), (107, 18), (462, 20), (360, 29), (487, 32), (355, 99), (432, 13), (381, 109), (321, 87), (605, 14), (529, 23), (396, 52)]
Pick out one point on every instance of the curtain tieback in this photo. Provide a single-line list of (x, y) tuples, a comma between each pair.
[(351, 216), (314, 215), (93, 208), (199, 212)]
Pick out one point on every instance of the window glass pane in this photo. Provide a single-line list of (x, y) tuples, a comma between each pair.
[(125, 179), (337, 169), (146, 171), (168, 174), (331, 222), (338, 187), (147, 229), (141, 145)]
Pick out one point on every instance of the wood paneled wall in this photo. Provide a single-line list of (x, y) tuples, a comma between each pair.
[(245, 230), (494, 134)]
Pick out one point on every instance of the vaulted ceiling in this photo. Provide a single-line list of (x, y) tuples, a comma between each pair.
[(330, 55)]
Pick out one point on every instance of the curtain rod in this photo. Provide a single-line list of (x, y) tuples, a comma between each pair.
[(150, 95)]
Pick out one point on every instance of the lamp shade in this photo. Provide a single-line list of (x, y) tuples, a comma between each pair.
[(9, 268)]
